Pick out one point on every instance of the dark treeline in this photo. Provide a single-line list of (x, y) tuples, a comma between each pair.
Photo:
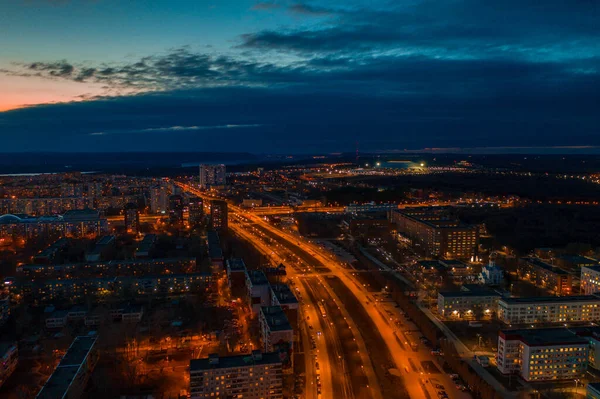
[(529, 227)]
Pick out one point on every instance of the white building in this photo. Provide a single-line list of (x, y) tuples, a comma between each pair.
[(491, 274), (590, 279), (470, 304), (549, 309), (255, 376), (542, 354)]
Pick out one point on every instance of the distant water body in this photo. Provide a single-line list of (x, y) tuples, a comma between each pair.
[(39, 174)]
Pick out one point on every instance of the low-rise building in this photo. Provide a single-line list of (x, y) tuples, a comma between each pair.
[(255, 376), (132, 314), (549, 309), (57, 319), (546, 275), (70, 377), (476, 304)]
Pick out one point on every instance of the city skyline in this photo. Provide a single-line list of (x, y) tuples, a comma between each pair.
[(310, 76)]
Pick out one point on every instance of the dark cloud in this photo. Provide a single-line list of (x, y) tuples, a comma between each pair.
[(265, 6), (310, 10), (457, 73)]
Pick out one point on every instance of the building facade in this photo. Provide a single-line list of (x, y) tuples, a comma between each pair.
[(435, 233), (542, 354), (212, 175), (255, 376), (549, 309)]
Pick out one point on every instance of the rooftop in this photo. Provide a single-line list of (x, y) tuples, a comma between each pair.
[(545, 336), (257, 277), (236, 265), (284, 294), (275, 318), (59, 382), (543, 265), (471, 294), (234, 361), (552, 299)]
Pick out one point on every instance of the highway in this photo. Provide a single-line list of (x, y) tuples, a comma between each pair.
[(323, 263), (335, 347)]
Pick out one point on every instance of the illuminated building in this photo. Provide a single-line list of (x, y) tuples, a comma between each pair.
[(590, 279), (158, 199), (9, 358), (254, 376), (549, 309), (109, 268), (132, 218), (73, 372), (76, 223), (437, 234), (195, 211), (476, 304), (543, 354), (491, 274), (218, 214), (212, 175), (78, 289), (546, 275)]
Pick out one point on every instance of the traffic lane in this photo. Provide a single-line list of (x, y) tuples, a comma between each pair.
[(350, 360)]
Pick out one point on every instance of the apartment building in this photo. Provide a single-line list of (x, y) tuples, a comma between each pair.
[(436, 233), (476, 304), (259, 290), (275, 329), (70, 377), (590, 279), (254, 376), (543, 354), (546, 275), (549, 309)]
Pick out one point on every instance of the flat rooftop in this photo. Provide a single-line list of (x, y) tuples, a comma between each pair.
[(257, 277), (59, 382), (236, 265), (545, 336), (235, 361), (284, 294), (594, 268), (275, 318), (469, 294), (552, 299), (543, 265)]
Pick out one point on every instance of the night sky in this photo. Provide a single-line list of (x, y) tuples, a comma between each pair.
[(293, 77)]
